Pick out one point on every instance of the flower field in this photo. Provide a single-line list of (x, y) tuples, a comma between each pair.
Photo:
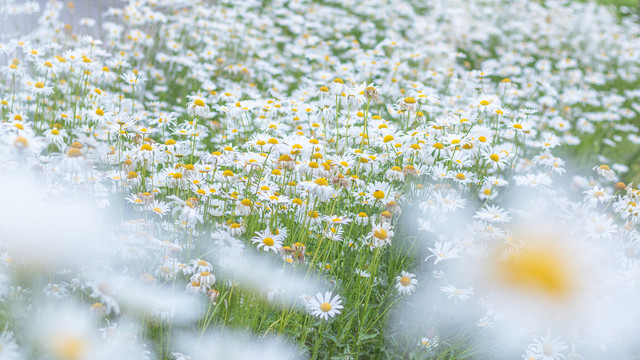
[(297, 179)]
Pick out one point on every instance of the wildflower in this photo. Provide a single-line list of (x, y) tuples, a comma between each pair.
[(38, 88), (236, 229), (325, 306), (596, 195), (406, 283), (362, 273), (133, 80), (197, 107), (381, 234), (159, 208), (443, 251), (546, 348), (266, 241), (187, 210), (199, 265), (362, 219), (204, 278), (493, 214), (495, 160), (428, 343), (605, 171), (462, 294)]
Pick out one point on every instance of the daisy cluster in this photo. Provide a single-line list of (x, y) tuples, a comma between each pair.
[(175, 168)]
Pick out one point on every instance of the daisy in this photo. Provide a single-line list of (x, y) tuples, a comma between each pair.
[(266, 241), (204, 278), (395, 174), (188, 213), (195, 287), (197, 107), (381, 234), (325, 306), (38, 88), (600, 227), (457, 293), (334, 233), (199, 265), (546, 348), (320, 188), (492, 214), (379, 191), (362, 273), (443, 251), (159, 208), (236, 229), (362, 219), (495, 160), (132, 79), (596, 195), (428, 343), (406, 283), (449, 201), (56, 291), (244, 207), (337, 219), (56, 137)]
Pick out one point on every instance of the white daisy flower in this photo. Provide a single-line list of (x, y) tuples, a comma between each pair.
[(406, 283), (325, 306)]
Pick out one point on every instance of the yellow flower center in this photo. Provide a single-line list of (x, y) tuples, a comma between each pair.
[(380, 234), (321, 182), (325, 307), (69, 347), (405, 281), (268, 241), (198, 102), (378, 194), (73, 153)]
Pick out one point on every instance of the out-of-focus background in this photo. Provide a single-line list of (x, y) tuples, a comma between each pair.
[(74, 14)]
